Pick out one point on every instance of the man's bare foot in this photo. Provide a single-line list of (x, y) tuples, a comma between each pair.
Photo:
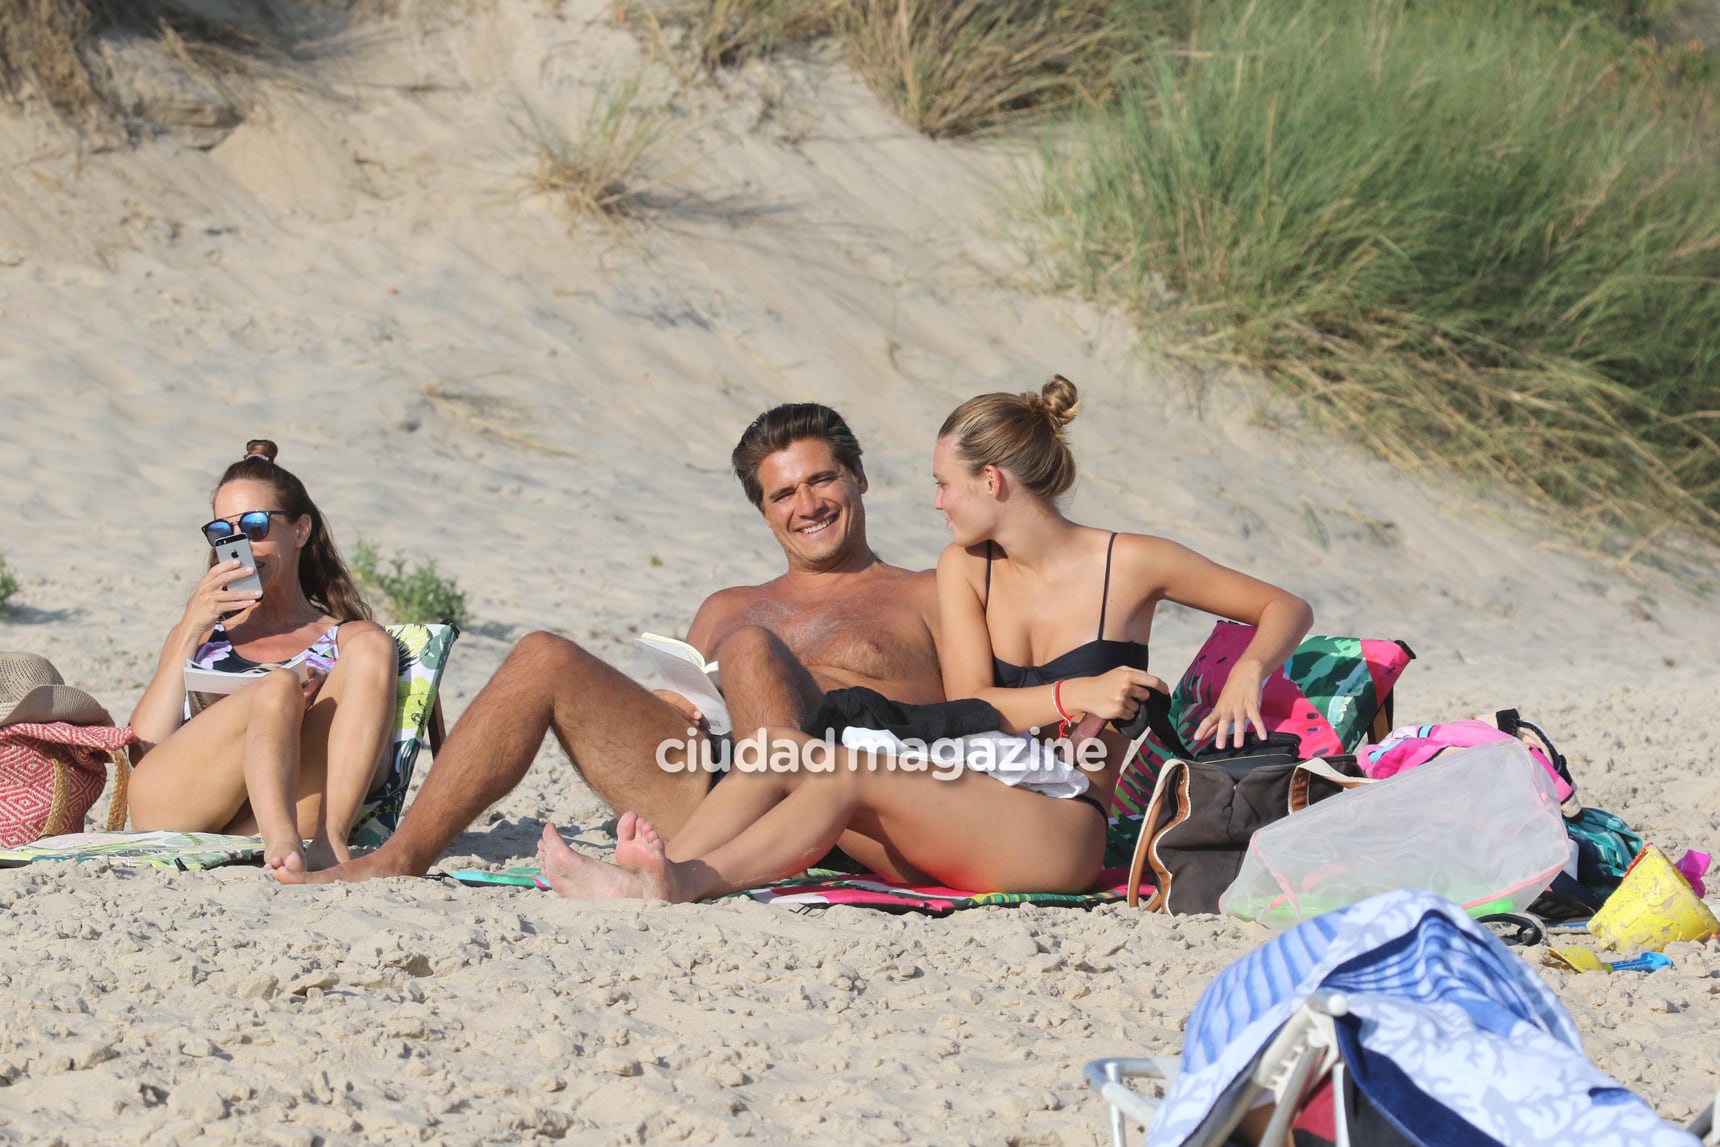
[(383, 862), (640, 851), (580, 877)]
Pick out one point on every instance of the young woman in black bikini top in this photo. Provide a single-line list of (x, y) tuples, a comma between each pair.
[(1089, 660), (1001, 464)]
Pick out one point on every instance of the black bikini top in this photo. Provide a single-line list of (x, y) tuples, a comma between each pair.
[(1089, 660)]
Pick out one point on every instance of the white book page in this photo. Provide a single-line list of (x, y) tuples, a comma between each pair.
[(685, 670)]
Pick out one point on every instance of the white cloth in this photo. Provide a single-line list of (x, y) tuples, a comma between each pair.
[(1015, 759)]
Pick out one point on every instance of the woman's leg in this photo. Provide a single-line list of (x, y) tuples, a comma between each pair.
[(347, 738), (243, 748), (738, 802), (801, 821), (969, 831)]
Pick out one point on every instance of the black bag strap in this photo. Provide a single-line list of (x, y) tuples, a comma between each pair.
[(1155, 714)]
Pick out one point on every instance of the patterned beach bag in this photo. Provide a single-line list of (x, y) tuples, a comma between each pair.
[(50, 775)]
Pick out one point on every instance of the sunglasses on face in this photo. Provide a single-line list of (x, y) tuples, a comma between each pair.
[(254, 524)]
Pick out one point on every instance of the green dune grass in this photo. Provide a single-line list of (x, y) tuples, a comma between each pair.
[(1471, 234)]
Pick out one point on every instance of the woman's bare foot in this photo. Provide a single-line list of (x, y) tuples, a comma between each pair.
[(284, 853), (639, 850), (580, 877)]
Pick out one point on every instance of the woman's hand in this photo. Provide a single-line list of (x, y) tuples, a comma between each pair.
[(1114, 695), (212, 600), (1237, 707)]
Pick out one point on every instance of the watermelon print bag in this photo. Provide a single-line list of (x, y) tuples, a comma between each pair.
[(1329, 694)]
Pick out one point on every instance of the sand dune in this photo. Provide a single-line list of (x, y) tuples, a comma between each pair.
[(360, 272)]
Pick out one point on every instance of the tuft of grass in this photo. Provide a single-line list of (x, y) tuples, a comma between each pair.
[(604, 172), (1462, 233), (953, 67), (46, 46), (8, 586), (419, 594), (948, 67), (730, 33)]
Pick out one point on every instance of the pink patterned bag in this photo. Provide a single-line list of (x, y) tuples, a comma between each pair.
[(1412, 745)]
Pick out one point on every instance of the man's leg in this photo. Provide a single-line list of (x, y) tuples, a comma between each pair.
[(609, 725), (764, 683)]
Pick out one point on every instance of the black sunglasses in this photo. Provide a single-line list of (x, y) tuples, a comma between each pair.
[(254, 524)]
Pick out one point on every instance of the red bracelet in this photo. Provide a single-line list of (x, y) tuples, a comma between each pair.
[(1057, 700)]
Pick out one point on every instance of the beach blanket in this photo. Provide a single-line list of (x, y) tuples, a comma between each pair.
[(868, 890), (827, 888), (181, 850), (1448, 1034)]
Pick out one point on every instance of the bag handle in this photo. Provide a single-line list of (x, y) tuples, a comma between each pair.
[(1172, 787), (1322, 768), (117, 807)]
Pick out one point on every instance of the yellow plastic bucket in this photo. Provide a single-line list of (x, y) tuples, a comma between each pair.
[(1653, 906)]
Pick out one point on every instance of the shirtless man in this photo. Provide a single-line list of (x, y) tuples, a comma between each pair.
[(838, 617)]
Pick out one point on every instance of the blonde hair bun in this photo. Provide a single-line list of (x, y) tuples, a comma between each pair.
[(1058, 398)]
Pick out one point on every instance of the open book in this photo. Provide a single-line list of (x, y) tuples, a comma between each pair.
[(685, 670), (204, 687)]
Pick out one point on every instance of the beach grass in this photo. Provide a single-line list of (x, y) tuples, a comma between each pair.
[(954, 67), (1472, 236), (8, 586), (947, 67), (46, 45), (730, 33), (603, 172), (419, 594)]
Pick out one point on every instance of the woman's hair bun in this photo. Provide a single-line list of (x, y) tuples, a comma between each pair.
[(261, 448), (1058, 398)]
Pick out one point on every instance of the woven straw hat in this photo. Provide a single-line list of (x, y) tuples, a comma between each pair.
[(32, 690)]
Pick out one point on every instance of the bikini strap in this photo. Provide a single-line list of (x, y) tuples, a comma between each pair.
[(985, 604), (1106, 592)]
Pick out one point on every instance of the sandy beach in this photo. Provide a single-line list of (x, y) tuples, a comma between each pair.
[(361, 271)]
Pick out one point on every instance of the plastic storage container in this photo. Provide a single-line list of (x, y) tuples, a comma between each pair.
[(1480, 826)]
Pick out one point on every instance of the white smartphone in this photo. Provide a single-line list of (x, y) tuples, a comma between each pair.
[(238, 548)]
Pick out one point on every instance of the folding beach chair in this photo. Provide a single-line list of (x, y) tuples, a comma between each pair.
[(1704, 1126), (1292, 1066), (423, 652)]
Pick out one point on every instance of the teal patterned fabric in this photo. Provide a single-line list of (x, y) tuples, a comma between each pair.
[(423, 656), (1605, 847), (186, 851)]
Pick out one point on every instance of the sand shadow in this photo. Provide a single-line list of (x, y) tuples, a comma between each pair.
[(510, 842), (30, 615)]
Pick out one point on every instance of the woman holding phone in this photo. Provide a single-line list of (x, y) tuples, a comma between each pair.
[(286, 758)]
